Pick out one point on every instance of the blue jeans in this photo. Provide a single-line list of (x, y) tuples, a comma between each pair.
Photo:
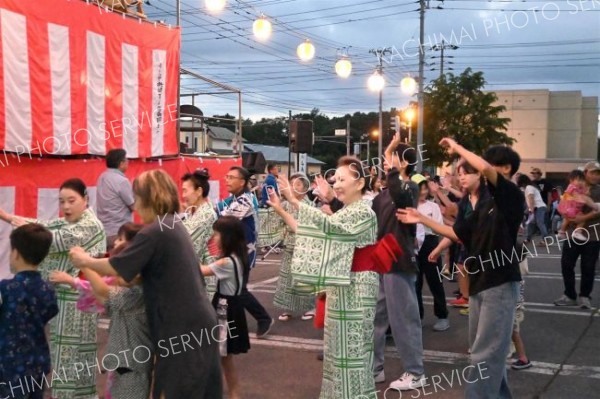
[(397, 307), (491, 314), (539, 222)]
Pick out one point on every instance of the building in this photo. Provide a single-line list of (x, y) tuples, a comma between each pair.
[(279, 155), (556, 131), (207, 138)]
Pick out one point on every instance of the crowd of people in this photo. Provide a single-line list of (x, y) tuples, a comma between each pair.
[(175, 286)]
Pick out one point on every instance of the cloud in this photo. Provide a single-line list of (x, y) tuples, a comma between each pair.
[(518, 45)]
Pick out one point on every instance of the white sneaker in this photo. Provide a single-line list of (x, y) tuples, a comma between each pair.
[(579, 236), (379, 377), (584, 302), (408, 381), (441, 325), (565, 301)]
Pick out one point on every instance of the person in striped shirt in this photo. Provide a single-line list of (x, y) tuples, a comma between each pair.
[(242, 205)]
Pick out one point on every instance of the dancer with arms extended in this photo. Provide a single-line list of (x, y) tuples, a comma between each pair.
[(326, 261)]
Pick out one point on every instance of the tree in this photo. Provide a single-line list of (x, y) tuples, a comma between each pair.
[(457, 106)]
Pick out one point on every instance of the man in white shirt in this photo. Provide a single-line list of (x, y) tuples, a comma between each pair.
[(114, 195), (536, 207)]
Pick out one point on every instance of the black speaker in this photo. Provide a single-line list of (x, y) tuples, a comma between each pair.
[(254, 162), (248, 159), (301, 136)]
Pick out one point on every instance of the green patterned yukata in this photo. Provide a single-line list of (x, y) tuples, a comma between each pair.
[(328, 244), (199, 226), (72, 332), (270, 227), (289, 296)]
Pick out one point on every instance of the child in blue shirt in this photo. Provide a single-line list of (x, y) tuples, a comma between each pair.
[(27, 304)]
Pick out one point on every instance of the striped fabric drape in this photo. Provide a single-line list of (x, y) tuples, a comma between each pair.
[(76, 79)]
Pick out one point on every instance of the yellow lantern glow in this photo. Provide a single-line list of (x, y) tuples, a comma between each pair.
[(262, 28), (343, 67), (215, 5), (409, 114), (408, 85), (376, 82), (306, 51)]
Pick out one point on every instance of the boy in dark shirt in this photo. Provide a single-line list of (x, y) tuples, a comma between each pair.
[(490, 235), (27, 303)]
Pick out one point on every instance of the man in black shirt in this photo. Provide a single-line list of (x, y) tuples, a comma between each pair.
[(490, 235), (588, 250)]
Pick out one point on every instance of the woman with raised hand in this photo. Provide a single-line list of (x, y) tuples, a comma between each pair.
[(289, 296), (327, 261), (72, 332)]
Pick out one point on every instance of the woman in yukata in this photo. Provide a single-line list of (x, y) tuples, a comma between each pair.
[(327, 261), (199, 218), (72, 332)]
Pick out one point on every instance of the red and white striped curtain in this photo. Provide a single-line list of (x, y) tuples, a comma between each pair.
[(29, 187), (76, 79)]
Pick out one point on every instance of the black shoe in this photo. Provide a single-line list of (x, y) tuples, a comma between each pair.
[(520, 365), (264, 327), (320, 356)]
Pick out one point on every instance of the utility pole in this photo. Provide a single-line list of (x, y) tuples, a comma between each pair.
[(348, 136), (178, 124), (380, 52), (442, 48), (420, 82), (289, 144)]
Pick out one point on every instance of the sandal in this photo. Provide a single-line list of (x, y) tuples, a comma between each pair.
[(285, 317), (308, 315)]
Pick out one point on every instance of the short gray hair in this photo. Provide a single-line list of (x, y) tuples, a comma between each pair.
[(303, 178)]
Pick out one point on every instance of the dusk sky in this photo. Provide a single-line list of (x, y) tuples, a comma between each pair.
[(551, 45)]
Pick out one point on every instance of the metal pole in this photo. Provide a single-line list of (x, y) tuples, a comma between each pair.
[(194, 147), (289, 144), (240, 143), (420, 111), (442, 60), (368, 150), (380, 138), (348, 137), (178, 127)]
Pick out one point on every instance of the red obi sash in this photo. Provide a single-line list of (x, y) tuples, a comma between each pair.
[(377, 257)]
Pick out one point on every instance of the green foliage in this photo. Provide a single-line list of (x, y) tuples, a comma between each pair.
[(273, 131), (456, 106)]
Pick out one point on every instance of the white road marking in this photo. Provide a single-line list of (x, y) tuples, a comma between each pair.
[(530, 307), (263, 283), (316, 345)]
